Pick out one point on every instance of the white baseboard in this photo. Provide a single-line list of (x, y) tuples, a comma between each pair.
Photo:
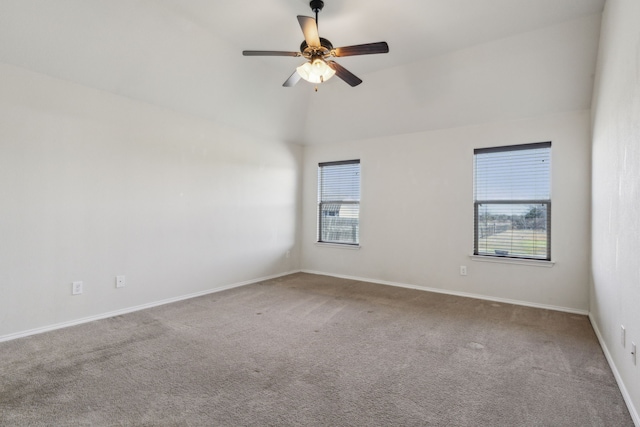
[(455, 293), (623, 389), (101, 316)]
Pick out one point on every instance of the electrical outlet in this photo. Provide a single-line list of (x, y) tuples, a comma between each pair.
[(633, 352), (463, 270), (120, 282), (76, 288), (288, 254), (622, 336)]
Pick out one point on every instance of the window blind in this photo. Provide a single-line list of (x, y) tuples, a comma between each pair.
[(512, 201), (339, 202)]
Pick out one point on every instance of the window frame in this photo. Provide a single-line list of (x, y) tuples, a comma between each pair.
[(321, 203), (477, 203)]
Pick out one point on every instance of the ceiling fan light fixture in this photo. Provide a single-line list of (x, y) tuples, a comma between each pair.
[(316, 71)]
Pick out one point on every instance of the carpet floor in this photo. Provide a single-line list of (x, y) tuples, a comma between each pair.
[(309, 350)]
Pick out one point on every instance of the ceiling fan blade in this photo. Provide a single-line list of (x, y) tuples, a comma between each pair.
[(292, 80), (310, 30), (269, 53), (346, 75), (362, 49)]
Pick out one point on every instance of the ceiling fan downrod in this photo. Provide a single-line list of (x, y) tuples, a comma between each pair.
[(316, 6)]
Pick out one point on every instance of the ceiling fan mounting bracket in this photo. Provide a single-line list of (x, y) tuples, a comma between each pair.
[(316, 5)]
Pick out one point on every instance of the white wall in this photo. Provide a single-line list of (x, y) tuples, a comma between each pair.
[(615, 292), (417, 212), (93, 185)]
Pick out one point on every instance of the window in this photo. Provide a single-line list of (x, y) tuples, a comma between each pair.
[(339, 202), (512, 201)]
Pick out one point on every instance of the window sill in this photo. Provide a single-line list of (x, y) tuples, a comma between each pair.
[(505, 260), (338, 245)]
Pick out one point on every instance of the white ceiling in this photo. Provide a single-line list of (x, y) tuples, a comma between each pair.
[(451, 62)]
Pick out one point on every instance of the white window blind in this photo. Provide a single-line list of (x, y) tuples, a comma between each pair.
[(512, 201), (339, 202)]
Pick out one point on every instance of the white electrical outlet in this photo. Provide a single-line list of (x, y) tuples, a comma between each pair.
[(288, 254), (120, 282), (633, 352), (76, 288), (463, 270), (622, 336)]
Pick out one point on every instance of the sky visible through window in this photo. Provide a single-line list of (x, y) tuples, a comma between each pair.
[(521, 175), (340, 183)]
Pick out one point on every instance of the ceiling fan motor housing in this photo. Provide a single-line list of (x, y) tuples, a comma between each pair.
[(326, 49)]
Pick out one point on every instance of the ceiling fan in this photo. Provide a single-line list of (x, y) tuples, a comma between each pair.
[(316, 50)]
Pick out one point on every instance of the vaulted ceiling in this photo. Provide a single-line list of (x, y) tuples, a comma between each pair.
[(451, 62)]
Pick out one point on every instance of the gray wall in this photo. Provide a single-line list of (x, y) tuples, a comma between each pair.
[(417, 213), (94, 185), (615, 290)]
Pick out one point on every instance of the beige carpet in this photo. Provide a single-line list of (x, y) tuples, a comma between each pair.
[(310, 350)]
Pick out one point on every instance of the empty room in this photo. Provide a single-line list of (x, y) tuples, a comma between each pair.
[(319, 213)]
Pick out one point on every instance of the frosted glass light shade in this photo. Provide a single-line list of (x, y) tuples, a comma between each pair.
[(316, 71)]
